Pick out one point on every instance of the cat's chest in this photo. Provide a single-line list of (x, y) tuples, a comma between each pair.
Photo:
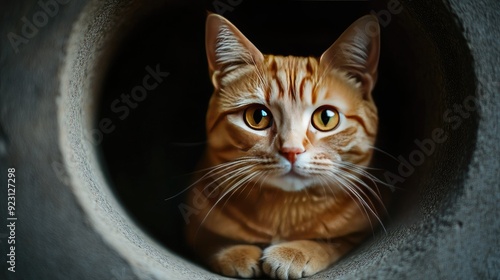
[(277, 215)]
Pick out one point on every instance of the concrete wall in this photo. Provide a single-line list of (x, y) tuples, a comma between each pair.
[(71, 225)]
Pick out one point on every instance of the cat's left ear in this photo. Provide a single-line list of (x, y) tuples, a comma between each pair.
[(356, 51), (227, 48)]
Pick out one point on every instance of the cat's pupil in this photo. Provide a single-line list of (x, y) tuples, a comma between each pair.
[(326, 116), (258, 115)]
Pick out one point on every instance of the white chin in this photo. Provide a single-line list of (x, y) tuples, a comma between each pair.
[(290, 182)]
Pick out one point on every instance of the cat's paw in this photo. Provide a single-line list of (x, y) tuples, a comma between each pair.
[(238, 261), (293, 260)]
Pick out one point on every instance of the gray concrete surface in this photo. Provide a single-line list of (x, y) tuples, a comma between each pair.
[(71, 226)]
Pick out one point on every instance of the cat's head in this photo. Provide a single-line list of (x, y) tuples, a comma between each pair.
[(292, 122)]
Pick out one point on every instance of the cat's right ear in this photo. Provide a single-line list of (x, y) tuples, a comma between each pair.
[(227, 48)]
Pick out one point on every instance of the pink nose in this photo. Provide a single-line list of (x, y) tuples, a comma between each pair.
[(291, 154)]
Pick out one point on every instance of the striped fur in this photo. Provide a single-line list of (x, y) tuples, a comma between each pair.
[(270, 195)]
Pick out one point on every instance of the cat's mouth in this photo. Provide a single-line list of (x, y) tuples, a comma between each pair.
[(290, 181), (294, 174)]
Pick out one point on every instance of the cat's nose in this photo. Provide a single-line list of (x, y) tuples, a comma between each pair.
[(291, 153)]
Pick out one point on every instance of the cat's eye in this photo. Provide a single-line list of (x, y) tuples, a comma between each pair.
[(325, 118), (258, 117)]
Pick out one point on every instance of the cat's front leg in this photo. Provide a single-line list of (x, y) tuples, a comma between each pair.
[(238, 261), (225, 256), (301, 258)]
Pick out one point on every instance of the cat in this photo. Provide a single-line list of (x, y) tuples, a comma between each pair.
[(285, 191)]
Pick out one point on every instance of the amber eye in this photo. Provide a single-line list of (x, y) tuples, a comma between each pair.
[(325, 118), (258, 117)]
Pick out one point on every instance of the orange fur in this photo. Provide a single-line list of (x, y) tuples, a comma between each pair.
[(289, 198)]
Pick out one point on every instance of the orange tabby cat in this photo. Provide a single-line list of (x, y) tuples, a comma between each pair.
[(285, 191)]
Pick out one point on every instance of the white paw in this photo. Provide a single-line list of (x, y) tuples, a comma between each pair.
[(283, 262), (238, 261)]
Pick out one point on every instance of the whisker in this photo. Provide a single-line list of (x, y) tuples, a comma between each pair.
[(324, 183), (243, 182), (260, 173), (360, 170), (262, 182), (384, 153), (230, 174), (358, 199), (211, 171), (230, 190), (349, 182), (353, 177)]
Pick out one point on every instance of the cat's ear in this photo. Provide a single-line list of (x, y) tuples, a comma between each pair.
[(227, 48), (356, 52)]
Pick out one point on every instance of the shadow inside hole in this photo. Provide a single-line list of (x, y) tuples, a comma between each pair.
[(155, 140)]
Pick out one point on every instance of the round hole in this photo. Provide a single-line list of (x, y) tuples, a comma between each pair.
[(150, 131), (437, 95)]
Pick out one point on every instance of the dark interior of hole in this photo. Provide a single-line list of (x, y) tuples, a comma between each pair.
[(150, 146)]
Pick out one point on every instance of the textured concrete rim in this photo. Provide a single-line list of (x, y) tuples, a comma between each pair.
[(85, 61), (87, 54)]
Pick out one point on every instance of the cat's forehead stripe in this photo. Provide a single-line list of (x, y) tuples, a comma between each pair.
[(302, 87), (290, 77)]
